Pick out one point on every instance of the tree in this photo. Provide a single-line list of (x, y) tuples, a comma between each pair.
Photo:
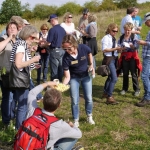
[(108, 5), (126, 3), (42, 11), (93, 5), (10, 8)]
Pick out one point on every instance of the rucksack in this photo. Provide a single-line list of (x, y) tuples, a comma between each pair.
[(33, 134)]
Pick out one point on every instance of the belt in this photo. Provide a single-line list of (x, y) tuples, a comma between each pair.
[(55, 48)]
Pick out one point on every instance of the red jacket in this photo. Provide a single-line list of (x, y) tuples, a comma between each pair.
[(128, 56)]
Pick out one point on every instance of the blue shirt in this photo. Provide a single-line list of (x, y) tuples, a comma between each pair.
[(78, 67), (55, 36), (146, 48)]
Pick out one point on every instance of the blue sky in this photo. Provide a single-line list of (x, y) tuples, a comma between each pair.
[(57, 2)]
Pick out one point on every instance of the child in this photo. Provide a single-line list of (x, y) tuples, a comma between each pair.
[(62, 135)]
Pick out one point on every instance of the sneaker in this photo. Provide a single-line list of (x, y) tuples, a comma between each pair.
[(123, 92), (143, 103), (90, 120), (137, 93), (76, 124)]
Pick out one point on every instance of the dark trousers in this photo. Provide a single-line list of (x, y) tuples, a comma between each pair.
[(127, 66)]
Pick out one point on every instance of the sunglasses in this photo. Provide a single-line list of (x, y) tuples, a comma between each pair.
[(44, 29), (33, 37), (68, 48), (115, 31), (70, 17)]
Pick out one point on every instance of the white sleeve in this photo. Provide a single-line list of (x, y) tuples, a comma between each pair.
[(20, 49)]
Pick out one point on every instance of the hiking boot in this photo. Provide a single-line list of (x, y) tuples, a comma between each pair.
[(111, 100), (123, 92), (104, 95), (143, 103), (137, 93), (90, 119), (76, 123)]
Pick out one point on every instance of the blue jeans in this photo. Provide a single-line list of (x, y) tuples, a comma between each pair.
[(44, 61), (7, 109), (111, 80), (65, 144), (39, 96), (21, 96), (55, 60), (145, 77), (86, 83)]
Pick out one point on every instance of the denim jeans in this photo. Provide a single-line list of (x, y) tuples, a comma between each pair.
[(86, 83), (55, 60), (111, 80), (130, 65), (146, 77), (65, 144), (39, 96), (44, 61), (7, 109), (21, 96)]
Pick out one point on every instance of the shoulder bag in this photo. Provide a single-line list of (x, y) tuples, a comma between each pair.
[(19, 79)]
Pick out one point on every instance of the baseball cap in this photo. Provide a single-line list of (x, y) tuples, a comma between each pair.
[(51, 17), (85, 11), (146, 17), (26, 22)]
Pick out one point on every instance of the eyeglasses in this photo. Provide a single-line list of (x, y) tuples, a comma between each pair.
[(115, 31), (70, 17), (68, 48), (44, 29), (33, 37)]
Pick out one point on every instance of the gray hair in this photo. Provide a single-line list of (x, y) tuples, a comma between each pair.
[(17, 19), (27, 31)]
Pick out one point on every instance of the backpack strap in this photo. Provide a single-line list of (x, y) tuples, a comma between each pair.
[(122, 37)]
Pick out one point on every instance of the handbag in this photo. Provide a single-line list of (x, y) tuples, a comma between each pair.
[(19, 79), (103, 70)]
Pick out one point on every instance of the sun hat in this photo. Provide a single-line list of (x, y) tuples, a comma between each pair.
[(51, 17), (146, 17)]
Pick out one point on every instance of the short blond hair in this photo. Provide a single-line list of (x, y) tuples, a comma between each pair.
[(92, 18), (128, 25)]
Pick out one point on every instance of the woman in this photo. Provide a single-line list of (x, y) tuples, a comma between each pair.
[(69, 26), (22, 58), (44, 55), (129, 60), (6, 43), (110, 52), (75, 65), (90, 33)]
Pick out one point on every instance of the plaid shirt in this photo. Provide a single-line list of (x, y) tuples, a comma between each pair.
[(146, 48)]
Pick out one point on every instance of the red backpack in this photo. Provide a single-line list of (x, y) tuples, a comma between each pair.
[(33, 134)]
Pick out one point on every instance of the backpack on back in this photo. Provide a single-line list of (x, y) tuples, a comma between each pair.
[(33, 134)]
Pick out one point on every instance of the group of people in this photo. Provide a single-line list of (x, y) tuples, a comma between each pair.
[(129, 61), (70, 62)]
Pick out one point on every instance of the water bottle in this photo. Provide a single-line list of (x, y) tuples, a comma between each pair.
[(91, 75)]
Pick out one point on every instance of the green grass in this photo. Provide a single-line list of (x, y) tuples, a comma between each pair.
[(118, 127)]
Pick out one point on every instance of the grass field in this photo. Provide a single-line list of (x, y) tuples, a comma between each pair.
[(118, 127)]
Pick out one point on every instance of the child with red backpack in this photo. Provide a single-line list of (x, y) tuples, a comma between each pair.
[(42, 130)]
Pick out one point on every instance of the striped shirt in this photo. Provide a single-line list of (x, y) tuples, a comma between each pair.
[(18, 43), (146, 48)]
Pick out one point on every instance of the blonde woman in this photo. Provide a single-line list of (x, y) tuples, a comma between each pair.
[(110, 51)]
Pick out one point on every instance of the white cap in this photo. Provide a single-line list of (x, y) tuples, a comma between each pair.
[(26, 22), (146, 17)]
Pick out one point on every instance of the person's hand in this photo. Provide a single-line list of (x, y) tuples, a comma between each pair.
[(11, 36), (141, 42), (36, 58), (43, 43), (33, 48), (119, 49), (37, 65), (131, 46), (52, 83), (71, 124)]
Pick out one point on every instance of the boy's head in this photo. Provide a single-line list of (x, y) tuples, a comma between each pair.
[(51, 100)]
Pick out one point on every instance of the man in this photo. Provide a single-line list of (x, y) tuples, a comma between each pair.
[(54, 39), (128, 18), (137, 23), (62, 135), (83, 22), (146, 65)]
